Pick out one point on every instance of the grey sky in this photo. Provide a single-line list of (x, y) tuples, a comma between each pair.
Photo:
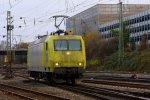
[(39, 11)]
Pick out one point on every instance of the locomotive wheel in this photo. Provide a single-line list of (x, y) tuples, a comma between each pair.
[(35, 75), (67, 81), (73, 81), (50, 78), (70, 81)]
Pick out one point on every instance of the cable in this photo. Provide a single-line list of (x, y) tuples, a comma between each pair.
[(61, 11), (42, 5), (11, 6), (19, 1), (101, 1), (70, 9), (77, 5), (81, 9), (36, 26)]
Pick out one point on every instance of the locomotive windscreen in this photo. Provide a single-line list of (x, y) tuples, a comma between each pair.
[(67, 45)]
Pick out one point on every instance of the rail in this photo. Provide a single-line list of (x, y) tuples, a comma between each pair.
[(118, 83), (100, 93), (28, 94)]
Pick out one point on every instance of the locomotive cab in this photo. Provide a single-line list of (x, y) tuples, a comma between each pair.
[(69, 57)]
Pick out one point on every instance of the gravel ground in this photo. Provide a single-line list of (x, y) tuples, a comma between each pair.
[(4, 96), (41, 87)]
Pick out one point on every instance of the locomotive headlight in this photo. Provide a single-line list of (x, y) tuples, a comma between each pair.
[(68, 53), (80, 63), (57, 64)]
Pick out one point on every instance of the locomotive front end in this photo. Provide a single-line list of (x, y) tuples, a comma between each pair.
[(70, 61)]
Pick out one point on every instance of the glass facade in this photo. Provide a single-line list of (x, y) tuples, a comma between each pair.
[(137, 25)]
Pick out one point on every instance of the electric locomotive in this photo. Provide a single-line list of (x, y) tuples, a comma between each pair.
[(57, 56)]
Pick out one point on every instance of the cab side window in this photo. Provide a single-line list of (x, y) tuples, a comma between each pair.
[(46, 45)]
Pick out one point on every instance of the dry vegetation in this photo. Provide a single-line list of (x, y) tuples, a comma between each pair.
[(97, 48), (103, 54)]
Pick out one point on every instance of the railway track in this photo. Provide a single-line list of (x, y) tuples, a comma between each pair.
[(118, 78), (119, 83), (101, 93), (141, 78), (28, 94)]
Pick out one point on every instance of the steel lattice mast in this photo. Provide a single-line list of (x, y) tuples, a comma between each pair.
[(121, 44), (9, 55)]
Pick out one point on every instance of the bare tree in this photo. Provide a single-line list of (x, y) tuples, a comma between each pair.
[(143, 43), (22, 45), (98, 48)]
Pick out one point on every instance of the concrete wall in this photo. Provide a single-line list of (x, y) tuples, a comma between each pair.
[(91, 19)]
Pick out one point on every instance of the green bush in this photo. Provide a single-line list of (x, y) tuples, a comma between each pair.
[(93, 65), (93, 62), (133, 61)]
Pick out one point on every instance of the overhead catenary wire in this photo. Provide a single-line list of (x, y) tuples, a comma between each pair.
[(42, 5), (63, 10), (11, 6), (73, 7), (109, 0), (32, 27), (68, 10), (79, 4)]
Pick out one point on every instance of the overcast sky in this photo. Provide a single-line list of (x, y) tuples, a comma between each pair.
[(36, 14)]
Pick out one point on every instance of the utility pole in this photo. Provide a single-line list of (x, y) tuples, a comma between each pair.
[(74, 26), (9, 54), (85, 28), (121, 44)]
